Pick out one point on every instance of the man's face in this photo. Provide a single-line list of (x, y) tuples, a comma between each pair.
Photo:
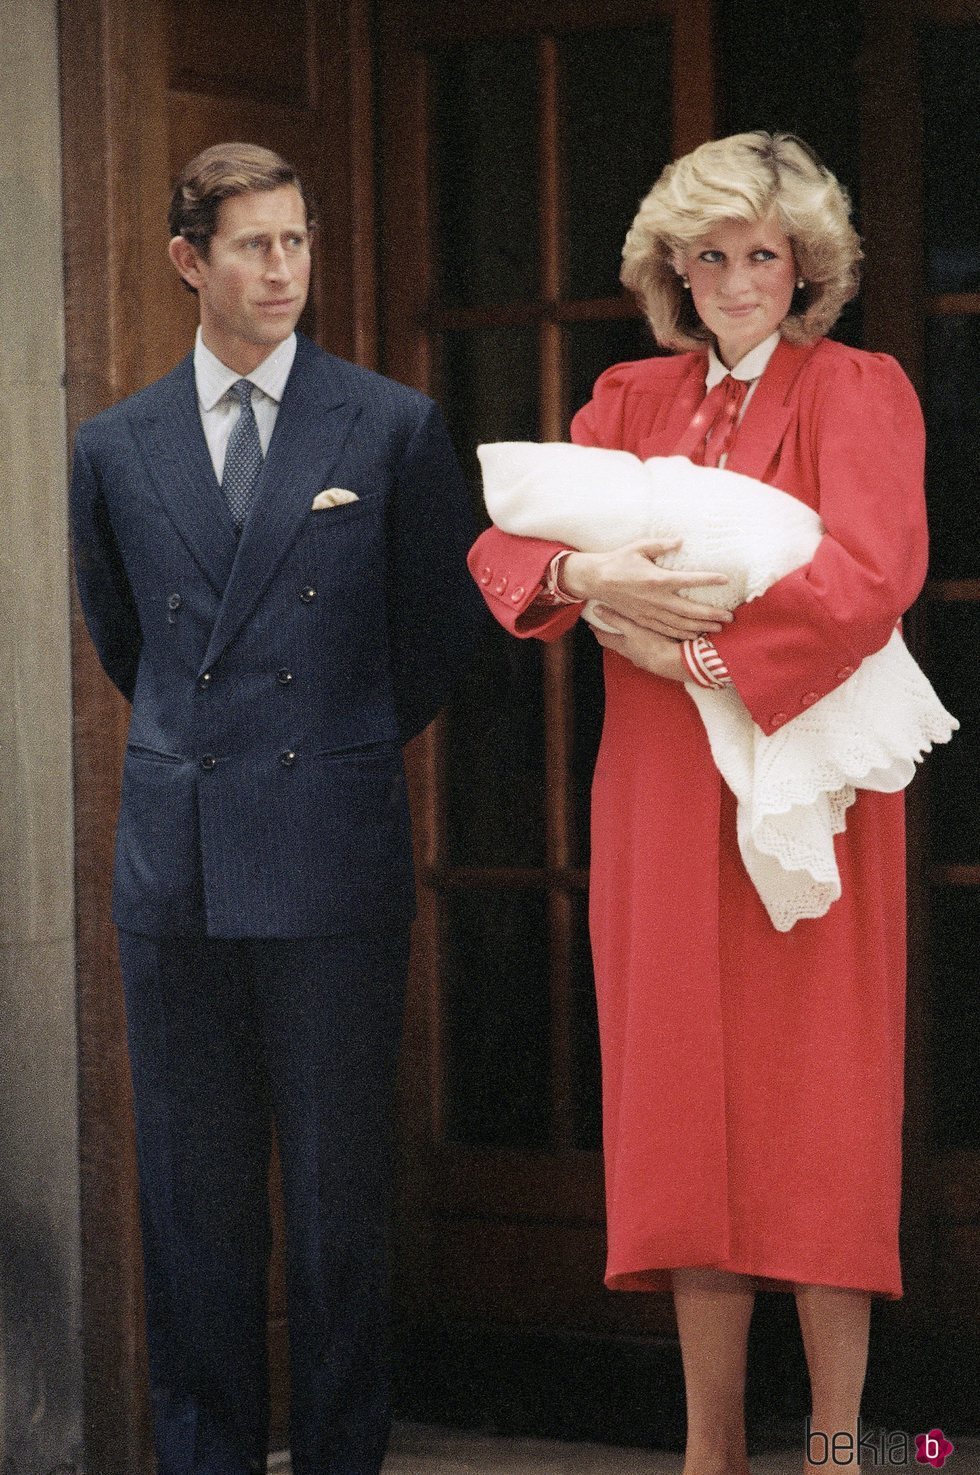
[(253, 284)]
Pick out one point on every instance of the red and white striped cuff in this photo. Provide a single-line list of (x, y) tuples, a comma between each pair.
[(704, 663)]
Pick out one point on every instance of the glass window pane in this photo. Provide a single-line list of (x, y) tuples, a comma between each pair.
[(617, 120), (497, 1018), (586, 1083), (489, 391), (956, 1018), (952, 409), (592, 347), (954, 767), (495, 765), (951, 116), (486, 104)]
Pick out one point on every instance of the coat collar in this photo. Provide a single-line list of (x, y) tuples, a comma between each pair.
[(167, 425), (682, 402), (766, 418), (769, 411), (314, 421)]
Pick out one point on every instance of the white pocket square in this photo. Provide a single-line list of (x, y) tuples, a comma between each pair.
[(333, 497)]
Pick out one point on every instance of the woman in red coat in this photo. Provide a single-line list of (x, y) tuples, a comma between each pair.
[(752, 1079)]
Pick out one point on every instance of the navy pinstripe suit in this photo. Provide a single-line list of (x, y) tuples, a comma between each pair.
[(263, 882)]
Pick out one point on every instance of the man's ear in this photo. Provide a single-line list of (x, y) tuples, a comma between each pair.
[(186, 259)]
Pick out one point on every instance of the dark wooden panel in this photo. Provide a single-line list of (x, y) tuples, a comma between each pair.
[(255, 49), (112, 89), (519, 1185), (538, 1274), (959, 1276), (431, 22), (197, 120)]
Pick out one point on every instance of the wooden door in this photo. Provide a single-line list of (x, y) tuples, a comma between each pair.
[(516, 143)]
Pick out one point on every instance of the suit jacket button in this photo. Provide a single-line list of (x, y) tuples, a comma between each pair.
[(808, 698), (517, 594), (486, 574), (174, 601), (204, 681), (208, 762), (284, 677), (777, 719), (287, 759), (500, 585), (308, 594), (844, 672)]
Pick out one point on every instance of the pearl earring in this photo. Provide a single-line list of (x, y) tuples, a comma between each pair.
[(800, 284), (685, 284)]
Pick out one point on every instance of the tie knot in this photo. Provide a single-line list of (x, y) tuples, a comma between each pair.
[(242, 390), (735, 389), (717, 420)]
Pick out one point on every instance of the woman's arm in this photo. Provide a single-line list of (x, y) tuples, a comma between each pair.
[(510, 574), (810, 631)]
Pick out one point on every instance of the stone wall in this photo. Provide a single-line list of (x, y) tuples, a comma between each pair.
[(40, 1301)]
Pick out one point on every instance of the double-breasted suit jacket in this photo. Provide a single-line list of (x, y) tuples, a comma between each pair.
[(274, 677)]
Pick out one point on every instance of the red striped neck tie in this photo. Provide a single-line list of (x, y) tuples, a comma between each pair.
[(719, 412)]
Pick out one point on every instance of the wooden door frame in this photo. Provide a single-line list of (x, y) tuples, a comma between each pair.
[(115, 188), (929, 1352)]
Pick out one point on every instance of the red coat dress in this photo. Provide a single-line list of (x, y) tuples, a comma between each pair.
[(752, 1080)]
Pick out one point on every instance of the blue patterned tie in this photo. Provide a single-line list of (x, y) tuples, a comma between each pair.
[(243, 458)]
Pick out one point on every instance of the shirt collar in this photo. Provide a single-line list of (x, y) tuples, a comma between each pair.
[(214, 379), (751, 366)]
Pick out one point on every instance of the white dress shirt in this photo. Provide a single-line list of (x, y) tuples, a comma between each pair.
[(219, 410)]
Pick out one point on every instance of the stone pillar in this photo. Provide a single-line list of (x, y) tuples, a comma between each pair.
[(40, 1295)]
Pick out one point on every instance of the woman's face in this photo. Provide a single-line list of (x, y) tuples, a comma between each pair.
[(742, 276)]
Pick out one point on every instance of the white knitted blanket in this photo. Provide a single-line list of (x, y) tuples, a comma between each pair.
[(793, 786)]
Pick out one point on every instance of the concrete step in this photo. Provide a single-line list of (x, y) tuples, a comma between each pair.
[(418, 1449)]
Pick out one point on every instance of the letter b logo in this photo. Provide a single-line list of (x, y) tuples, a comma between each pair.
[(817, 1446)]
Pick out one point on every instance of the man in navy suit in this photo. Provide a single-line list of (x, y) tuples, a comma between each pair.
[(270, 548)]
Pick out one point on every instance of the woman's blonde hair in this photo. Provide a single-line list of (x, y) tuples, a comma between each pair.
[(744, 177)]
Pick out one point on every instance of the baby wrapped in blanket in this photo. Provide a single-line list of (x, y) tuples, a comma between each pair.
[(793, 787)]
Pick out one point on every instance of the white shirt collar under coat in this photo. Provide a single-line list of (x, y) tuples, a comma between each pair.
[(214, 379), (749, 367)]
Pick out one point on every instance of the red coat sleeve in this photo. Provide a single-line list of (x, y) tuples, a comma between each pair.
[(809, 632), (510, 570)]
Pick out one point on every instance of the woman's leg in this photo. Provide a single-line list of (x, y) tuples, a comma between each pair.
[(714, 1309), (834, 1323)]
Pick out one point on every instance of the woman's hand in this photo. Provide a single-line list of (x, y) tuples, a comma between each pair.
[(651, 652), (634, 586)]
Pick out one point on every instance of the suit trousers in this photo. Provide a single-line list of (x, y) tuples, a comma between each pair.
[(226, 1038)]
